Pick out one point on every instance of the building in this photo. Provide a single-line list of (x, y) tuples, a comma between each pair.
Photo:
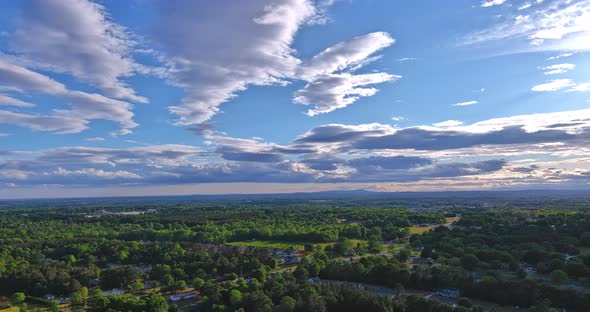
[(114, 291), (448, 293)]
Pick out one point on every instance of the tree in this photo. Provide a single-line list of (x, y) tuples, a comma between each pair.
[(575, 269), (53, 306), (470, 262), (137, 285), (235, 297), (558, 276), (198, 283), (375, 245), (155, 303), (464, 302), (19, 297), (301, 273), (403, 255), (287, 304), (343, 246)]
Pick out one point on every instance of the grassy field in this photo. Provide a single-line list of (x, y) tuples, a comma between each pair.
[(420, 229), (453, 219)]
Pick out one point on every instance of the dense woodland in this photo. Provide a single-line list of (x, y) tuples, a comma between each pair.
[(534, 258)]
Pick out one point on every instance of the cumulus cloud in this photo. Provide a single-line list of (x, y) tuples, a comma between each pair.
[(80, 166), (77, 37), (336, 91), (331, 83), (559, 127), (259, 52), (256, 49), (331, 153)]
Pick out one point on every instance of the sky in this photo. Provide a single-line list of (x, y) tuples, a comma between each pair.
[(154, 97)]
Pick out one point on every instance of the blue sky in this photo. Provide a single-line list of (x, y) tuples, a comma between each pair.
[(181, 97)]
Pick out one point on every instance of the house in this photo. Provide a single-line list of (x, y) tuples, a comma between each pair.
[(189, 296), (175, 298), (184, 296), (313, 280), (49, 297), (288, 261), (4, 305), (114, 291), (415, 260), (448, 293)]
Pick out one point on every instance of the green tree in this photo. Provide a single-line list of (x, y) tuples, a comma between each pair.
[(19, 297), (198, 283), (155, 303), (558, 276), (287, 304), (235, 297), (53, 306)]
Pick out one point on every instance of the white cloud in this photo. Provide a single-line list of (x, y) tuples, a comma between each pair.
[(95, 139), (331, 81), (335, 91), (97, 173), (54, 123), (580, 87), (554, 85), (255, 49), (448, 123), (77, 37), (406, 59), (490, 3), (525, 6), (344, 55), (10, 101), (398, 118), (85, 106), (467, 103), (555, 25), (563, 55), (558, 68), (213, 71)]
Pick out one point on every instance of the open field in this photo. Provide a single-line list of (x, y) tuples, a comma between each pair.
[(452, 219), (420, 229)]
